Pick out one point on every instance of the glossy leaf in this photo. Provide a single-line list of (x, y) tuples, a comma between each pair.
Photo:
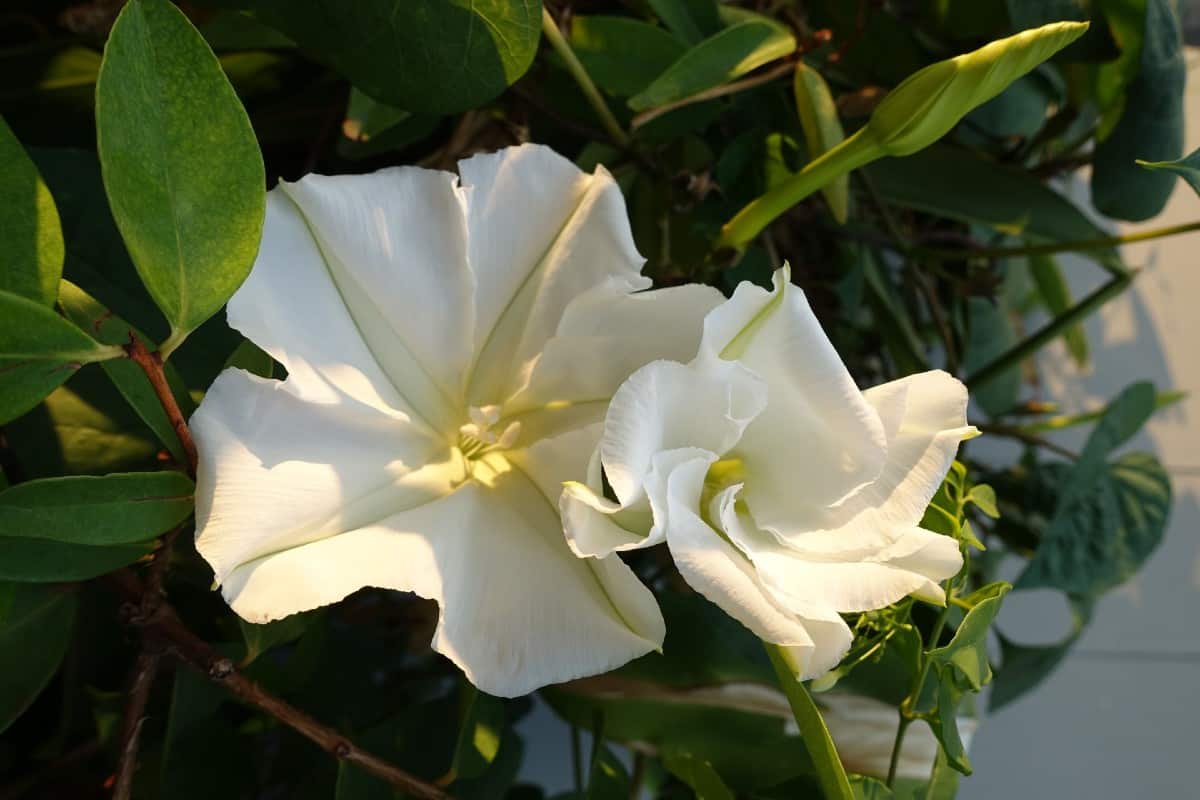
[(31, 258), (27, 560), (965, 657), (437, 58), (621, 54), (372, 127), (1187, 168), (944, 724), (35, 630), (186, 183), (690, 20), (717, 60), (39, 350), (1150, 127), (479, 735), (822, 131), (261, 638), (113, 509)]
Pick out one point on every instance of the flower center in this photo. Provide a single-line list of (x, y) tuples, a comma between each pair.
[(478, 437)]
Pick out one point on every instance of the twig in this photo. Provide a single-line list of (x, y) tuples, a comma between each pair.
[(144, 672), (590, 92), (152, 365), (1010, 432), (779, 70), (165, 627), (1055, 247)]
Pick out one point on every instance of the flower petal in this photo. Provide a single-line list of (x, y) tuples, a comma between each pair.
[(926, 418), (818, 439), (541, 233), (394, 243), (716, 569), (606, 333), (277, 471), (518, 610), (666, 405)]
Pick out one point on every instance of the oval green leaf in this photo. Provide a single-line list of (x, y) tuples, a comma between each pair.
[(31, 258), (47, 561), (181, 165), (1187, 168), (34, 633), (85, 509), (717, 60), (822, 131), (622, 54)]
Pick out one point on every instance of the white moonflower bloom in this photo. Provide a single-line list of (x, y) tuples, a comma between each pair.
[(451, 346), (786, 495)]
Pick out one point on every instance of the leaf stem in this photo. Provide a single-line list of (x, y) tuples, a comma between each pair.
[(594, 98), (778, 71), (1050, 248), (831, 775), (152, 365)]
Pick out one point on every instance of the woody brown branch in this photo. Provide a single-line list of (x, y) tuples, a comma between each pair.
[(152, 365), (165, 627)]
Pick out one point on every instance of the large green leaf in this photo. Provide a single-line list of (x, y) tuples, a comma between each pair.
[(1187, 168), (1150, 127), (717, 60), (34, 633), (960, 184), (31, 241), (185, 183), (430, 57), (1101, 535), (690, 20), (113, 509), (46, 561), (39, 350), (622, 55)]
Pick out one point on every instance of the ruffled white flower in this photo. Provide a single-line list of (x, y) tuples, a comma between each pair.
[(786, 495), (451, 347)]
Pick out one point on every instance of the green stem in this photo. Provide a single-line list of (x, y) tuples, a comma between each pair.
[(894, 762), (1051, 330), (831, 775), (940, 254), (851, 154), (560, 45)]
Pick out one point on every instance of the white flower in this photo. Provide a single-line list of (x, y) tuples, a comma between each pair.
[(786, 495), (450, 348)]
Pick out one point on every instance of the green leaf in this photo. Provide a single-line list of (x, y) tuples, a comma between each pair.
[(966, 654), (1052, 288), (186, 183), (35, 631), (1101, 535), (113, 509), (690, 20), (1150, 127), (1022, 667), (943, 781), (697, 774), (991, 334), (31, 258), (28, 560), (428, 58), (622, 55), (717, 60), (82, 309), (198, 736), (1123, 418), (960, 184), (39, 350), (607, 779), (822, 131), (1187, 168), (253, 359), (984, 497), (944, 724), (866, 788), (479, 735)]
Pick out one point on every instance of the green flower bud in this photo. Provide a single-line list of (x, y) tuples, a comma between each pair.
[(930, 102)]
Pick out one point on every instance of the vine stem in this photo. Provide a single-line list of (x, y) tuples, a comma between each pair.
[(831, 775), (940, 254), (595, 99), (152, 365), (164, 627)]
